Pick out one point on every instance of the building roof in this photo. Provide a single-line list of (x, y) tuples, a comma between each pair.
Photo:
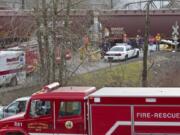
[(136, 92), (70, 93)]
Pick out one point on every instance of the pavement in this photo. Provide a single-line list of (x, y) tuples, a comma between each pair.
[(91, 66)]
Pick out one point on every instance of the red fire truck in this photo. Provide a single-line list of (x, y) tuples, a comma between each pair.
[(108, 111)]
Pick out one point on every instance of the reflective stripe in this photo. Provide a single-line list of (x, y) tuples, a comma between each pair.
[(12, 71), (157, 123), (53, 134), (39, 134), (116, 125), (150, 123), (70, 134)]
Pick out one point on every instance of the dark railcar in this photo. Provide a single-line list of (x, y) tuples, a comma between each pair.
[(133, 22), (15, 26)]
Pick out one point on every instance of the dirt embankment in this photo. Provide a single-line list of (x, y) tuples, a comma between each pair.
[(166, 70), (7, 97)]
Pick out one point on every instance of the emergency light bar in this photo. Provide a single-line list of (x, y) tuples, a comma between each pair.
[(51, 86)]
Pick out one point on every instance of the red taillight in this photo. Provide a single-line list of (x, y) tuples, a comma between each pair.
[(118, 54)]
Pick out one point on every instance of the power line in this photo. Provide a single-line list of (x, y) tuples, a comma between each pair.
[(155, 4)]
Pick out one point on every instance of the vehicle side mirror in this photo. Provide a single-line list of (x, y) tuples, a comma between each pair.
[(5, 110)]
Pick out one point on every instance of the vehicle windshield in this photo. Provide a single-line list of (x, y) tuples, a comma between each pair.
[(117, 49), (1, 112), (40, 108)]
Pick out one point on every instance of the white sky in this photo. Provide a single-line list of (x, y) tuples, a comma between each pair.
[(120, 3)]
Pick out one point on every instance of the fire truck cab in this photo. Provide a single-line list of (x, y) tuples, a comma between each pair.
[(108, 111), (51, 112)]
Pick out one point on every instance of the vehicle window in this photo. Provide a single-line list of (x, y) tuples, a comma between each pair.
[(13, 107), (21, 106), (120, 49), (70, 108), (40, 108), (1, 113)]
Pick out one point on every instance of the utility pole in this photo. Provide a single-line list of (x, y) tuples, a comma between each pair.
[(111, 4), (145, 54), (23, 4)]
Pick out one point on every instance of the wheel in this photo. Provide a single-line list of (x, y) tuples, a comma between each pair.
[(110, 59), (126, 58), (137, 54), (13, 81)]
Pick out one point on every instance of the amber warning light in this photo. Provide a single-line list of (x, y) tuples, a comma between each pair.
[(51, 86)]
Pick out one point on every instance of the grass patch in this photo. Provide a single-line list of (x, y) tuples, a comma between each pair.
[(121, 75)]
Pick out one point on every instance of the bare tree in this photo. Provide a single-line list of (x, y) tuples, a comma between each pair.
[(56, 34), (145, 70), (39, 37)]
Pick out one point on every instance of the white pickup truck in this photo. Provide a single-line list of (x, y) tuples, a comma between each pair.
[(17, 106), (121, 51)]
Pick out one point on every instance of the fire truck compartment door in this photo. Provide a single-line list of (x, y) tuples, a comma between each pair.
[(110, 120), (71, 118), (157, 119)]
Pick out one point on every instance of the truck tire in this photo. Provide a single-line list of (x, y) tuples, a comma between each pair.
[(13, 81), (137, 54), (126, 58)]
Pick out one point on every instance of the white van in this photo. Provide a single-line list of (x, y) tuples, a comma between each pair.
[(12, 67)]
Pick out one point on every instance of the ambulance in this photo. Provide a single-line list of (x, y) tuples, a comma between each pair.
[(12, 65), (108, 111)]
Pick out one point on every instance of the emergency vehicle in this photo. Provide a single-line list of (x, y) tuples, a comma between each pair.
[(108, 111), (32, 56), (12, 65)]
